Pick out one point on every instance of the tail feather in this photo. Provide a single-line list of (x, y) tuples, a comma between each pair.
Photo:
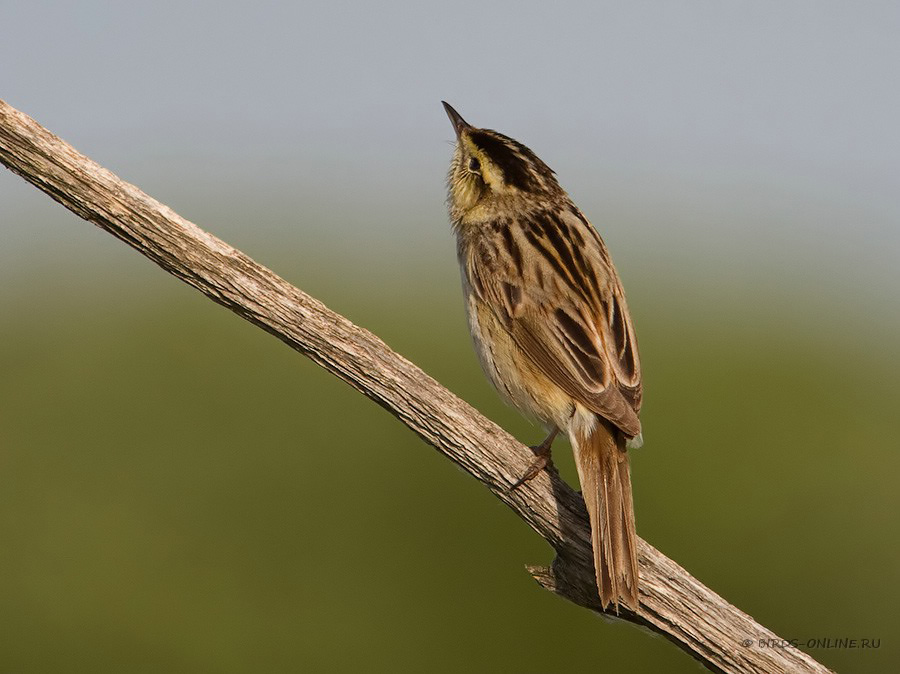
[(605, 475)]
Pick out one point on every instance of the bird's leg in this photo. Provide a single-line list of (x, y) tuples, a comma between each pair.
[(542, 460)]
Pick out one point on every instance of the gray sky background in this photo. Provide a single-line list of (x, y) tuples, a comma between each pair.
[(756, 141)]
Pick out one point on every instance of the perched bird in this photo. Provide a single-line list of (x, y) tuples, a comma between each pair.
[(548, 317)]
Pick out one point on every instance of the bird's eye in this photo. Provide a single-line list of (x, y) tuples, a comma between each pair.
[(474, 165)]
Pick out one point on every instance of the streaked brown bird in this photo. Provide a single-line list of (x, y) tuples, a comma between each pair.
[(552, 330)]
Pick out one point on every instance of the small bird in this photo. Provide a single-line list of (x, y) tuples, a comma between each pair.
[(552, 330)]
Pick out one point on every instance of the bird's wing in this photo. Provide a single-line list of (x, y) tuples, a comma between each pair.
[(559, 296)]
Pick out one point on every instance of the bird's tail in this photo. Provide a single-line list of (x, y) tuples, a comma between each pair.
[(605, 476)]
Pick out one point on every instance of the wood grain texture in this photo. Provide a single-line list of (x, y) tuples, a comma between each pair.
[(673, 603)]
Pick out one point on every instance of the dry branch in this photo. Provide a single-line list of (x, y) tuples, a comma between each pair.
[(673, 603)]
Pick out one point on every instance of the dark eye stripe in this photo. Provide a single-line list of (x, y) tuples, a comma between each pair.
[(515, 169)]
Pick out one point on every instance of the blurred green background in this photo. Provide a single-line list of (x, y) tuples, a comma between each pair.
[(181, 492)]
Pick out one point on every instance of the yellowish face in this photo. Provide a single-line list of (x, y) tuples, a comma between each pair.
[(480, 165), (473, 176), (493, 176)]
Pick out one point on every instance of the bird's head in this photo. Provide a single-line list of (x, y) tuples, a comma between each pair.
[(492, 175)]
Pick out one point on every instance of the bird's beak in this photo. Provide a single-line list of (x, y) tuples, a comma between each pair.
[(459, 124)]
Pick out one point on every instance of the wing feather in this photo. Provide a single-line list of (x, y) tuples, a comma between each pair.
[(564, 307)]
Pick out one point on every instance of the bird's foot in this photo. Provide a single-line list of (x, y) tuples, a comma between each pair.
[(542, 460)]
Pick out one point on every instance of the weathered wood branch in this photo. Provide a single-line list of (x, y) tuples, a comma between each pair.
[(673, 603)]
